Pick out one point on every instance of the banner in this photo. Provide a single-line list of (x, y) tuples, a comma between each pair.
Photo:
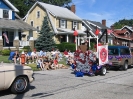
[(103, 54)]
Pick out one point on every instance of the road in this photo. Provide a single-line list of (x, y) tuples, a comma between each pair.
[(62, 84)]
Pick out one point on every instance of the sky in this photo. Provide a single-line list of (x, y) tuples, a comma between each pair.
[(110, 10)]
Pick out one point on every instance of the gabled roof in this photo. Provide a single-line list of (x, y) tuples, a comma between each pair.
[(121, 37), (120, 31), (10, 5), (91, 25), (129, 27), (57, 11)]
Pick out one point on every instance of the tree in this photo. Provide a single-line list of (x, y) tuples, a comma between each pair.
[(121, 23), (45, 40), (24, 5)]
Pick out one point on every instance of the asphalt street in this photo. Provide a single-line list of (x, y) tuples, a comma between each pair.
[(62, 84)]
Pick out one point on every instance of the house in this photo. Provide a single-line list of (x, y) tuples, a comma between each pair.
[(91, 27), (123, 36), (62, 21), (12, 26)]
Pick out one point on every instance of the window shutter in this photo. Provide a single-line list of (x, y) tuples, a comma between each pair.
[(10, 14), (72, 26), (59, 23), (66, 24)]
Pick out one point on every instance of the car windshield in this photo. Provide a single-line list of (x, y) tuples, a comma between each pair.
[(113, 51)]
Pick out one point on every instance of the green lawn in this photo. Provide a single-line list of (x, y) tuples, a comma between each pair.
[(33, 65)]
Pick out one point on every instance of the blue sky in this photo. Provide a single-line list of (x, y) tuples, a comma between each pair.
[(111, 10)]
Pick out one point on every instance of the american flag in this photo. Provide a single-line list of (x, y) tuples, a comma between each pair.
[(109, 31), (5, 35)]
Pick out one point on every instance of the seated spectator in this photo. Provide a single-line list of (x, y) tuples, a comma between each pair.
[(16, 57), (42, 53), (40, 63), (69, 60), (27, 57), (46, 63), (48, 54), (55, 64), (34, 56), (53, 53), (70, 53), (66, 53)]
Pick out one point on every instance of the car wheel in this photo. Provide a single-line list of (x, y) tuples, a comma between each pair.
[(20, 85), (125, 66), (103, 71)]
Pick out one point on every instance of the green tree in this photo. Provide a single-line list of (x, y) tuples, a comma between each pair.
[(24, 5), (45, 39), (123, 22)]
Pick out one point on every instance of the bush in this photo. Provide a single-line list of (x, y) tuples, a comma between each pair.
[(65, 45), (27, 48), (5, 52)]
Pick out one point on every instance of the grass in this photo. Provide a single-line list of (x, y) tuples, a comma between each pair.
[(33, 65)]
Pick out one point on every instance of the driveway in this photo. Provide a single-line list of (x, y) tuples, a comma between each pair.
[(62, 84)]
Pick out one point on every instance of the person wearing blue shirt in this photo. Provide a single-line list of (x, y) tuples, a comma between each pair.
[(42, 53)]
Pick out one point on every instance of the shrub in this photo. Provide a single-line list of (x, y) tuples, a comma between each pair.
[(65, 45), (5, 52), (27, 48)]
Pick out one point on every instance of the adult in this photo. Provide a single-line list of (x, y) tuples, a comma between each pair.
[(34, 56), (16, 57), (42, 53), (27, 57), (66, 53)]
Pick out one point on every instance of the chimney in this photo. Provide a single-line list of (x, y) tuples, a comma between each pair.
[(104, 22), (112, 27), (73, 8)]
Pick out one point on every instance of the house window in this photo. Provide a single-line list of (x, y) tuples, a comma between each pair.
[(63, 23), (38, 29), (75, 24), (31, 23), (5, 14), (38, 14)]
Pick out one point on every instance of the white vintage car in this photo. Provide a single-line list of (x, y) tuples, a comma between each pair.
[(15, 77)]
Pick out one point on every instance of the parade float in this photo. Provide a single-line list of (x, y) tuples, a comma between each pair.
[(89, 62)]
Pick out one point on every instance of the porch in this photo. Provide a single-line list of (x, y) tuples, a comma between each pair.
[(13, 30)]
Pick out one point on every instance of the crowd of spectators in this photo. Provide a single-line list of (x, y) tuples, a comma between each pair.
[(45, 59)]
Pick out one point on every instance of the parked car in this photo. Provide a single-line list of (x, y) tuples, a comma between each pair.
[(120, 56), (15, 77)]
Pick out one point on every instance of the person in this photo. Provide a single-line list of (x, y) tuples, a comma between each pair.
[(70, 53), (46, 63), (42, 53), (53, 53), (34, 56), (66, 53), (27, 57), (16, 57), (39, 63), (55, 63)]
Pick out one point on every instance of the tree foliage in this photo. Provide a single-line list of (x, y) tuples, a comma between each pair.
[(24, 5), (45, 40), (121, 23)]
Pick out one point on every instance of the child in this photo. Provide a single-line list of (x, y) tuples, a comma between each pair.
[(40, 63), (55, 63)]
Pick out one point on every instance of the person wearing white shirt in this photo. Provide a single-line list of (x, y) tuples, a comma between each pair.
[(34, 56)]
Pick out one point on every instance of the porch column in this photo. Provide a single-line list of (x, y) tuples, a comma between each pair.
[(67, 38), (31, 40), (1, 40), (16, 40), (78, 40)]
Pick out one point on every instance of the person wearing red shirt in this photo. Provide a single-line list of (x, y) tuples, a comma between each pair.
[(66, 53)]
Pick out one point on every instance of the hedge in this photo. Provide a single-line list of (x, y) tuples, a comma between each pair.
[(65, 45)]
